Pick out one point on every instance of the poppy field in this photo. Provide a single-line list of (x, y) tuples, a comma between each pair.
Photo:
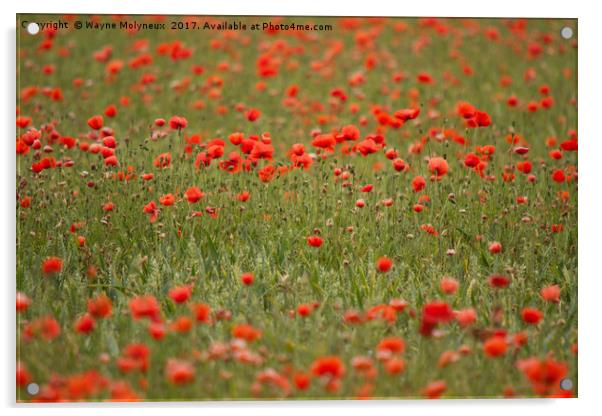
[(259, 208)]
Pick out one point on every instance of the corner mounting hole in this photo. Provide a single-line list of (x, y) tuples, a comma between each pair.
[(566, 384), (33, 389), (566, 32), (33, 28)]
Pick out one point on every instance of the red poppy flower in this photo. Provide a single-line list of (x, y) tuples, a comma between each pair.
[(180, 294), (551, 293), (52, 265), (243, 196), (302, 381), (466, 317), (418, 183), (495, 346), (151, 209), (393, 345), (23, 376), (247, 279), (495, 247), (314, 241), (202, 312), (246, 332), (23, 302), (145, 307), (435, 389), (434, 313), (304, 309), (324, 141), (253, 114), (407, 114), (531, 315), (100, 306), (167, 200), (266, 174), (543, 374), (163, 160), (85, 324), (438, 166), (95, 122), (399, 165), (329, 366), (499, 281), (384, 264), (179, 372), (558, 176), (177, 123), (471, 160), (193, 194), (449, 285)]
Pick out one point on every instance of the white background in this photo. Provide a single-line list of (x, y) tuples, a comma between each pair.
[(590, 183)]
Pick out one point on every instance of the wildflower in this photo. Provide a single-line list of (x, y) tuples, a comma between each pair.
[(23, 302), (418, 183), (531, 315), (395, 366), (399, 165), (495, 247), (85, 324), (471, 160), (383, 312), (449, 285), (302, 381), (145, 307), (391, 345), (247, 279), (151, 209), (163, 160), (246, 332), (180, 294), (499, 281), (384, 264), (202, 312), (179, 372), (23, 376), (266, 174), (314, 241), (177, 123), (167, 200), (253, 114), (435, 389), (407, 114), (193, 194), (52, 265), (135, 357), (495, 346), (438, 166), (100, 306), (328, 366), (544, 375), (466, 317), (558, 176), (181, 324), (304, 309), (95, 122), (46, 326), (243, 196), (434, 313), (551, 293)]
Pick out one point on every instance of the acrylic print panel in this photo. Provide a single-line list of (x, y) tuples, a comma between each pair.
[(234, 208)]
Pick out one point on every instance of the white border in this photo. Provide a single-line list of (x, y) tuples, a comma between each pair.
[(590, 230)]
